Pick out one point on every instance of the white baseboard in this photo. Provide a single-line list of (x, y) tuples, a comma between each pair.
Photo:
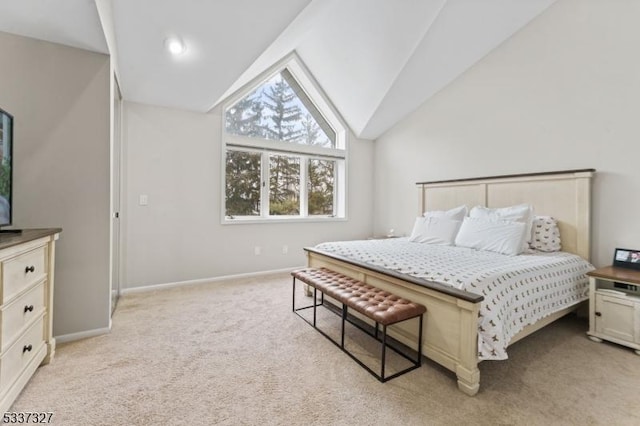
[(153, 287), (82, 334)]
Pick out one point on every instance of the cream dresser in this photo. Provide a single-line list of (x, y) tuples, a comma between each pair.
[(26, 307)]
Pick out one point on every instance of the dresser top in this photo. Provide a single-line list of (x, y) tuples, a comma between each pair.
[(13, 239)]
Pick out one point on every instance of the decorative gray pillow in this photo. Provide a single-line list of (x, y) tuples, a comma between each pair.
[(545, 234)]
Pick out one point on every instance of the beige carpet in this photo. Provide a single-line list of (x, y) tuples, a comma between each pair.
[(233, 353)]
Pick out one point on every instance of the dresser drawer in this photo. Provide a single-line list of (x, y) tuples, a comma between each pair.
[(21, 271), (21, 353), (17, 315)]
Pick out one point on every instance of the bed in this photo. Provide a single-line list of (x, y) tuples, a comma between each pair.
[(451, 334)]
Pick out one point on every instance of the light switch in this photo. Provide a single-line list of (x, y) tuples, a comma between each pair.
[(144, 200)]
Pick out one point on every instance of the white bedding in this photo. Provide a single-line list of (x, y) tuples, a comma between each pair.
[(518, 290)]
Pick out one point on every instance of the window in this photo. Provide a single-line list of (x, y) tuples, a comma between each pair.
[(284, 157)]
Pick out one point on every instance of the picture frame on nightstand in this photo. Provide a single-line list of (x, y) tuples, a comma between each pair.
[(626, 258)]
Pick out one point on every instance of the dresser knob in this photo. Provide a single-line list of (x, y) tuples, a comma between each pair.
[(27, 348), (29, 269), (598, 314), (28, 308)]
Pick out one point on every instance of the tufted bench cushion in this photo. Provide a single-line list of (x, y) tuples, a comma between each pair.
[(381, 306)]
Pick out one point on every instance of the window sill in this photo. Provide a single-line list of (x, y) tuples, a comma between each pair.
[(250, 221)]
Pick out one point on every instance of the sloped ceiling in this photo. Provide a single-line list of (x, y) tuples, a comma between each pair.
[(70, 22), (223, 38), (377, 60)]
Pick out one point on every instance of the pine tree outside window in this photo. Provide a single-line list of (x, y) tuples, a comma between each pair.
[(284, 151)]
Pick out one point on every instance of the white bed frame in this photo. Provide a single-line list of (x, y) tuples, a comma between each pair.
[(450, 333)]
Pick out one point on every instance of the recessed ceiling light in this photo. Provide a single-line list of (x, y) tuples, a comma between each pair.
[(175, 45)]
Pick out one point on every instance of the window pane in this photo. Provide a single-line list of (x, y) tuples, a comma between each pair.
[(242, 183), (245, 118), (280, 110), (321, 180), (284, 185)]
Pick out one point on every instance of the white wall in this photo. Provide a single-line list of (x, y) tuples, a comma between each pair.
[(174, 157), (59, 97), (563, 93)]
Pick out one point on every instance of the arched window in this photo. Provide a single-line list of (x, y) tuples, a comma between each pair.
[(284, 150)]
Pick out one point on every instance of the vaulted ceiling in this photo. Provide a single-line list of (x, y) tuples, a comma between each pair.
[(377, 60)]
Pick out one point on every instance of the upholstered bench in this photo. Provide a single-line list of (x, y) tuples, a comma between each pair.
[(382, 307)]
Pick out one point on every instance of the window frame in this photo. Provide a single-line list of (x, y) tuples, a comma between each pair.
[(268, 147)]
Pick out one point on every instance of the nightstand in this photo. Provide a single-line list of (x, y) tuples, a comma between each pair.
[(614, 306)]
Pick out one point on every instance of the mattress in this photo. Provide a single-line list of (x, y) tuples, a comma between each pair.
[(518, 290)]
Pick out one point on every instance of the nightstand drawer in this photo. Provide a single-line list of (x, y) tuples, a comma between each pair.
[(21, 271), (16, 316), (18, 356)]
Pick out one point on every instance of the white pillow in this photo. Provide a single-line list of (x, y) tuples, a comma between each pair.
[(545, 234), (501, 236), (435, 230), (456, 213), (518, 213)]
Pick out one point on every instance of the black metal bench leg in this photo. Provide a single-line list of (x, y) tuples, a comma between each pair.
[(384, 348), (294, 294), (315, 291), (419, 361), (344, 319)]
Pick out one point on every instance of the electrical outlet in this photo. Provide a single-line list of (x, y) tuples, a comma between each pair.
[(143, 200), (257, 250), (285, 249)]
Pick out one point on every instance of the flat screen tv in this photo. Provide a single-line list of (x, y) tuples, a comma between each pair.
[(6, 163)]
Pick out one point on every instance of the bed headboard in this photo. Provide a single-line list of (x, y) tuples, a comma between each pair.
[(565, 195)]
